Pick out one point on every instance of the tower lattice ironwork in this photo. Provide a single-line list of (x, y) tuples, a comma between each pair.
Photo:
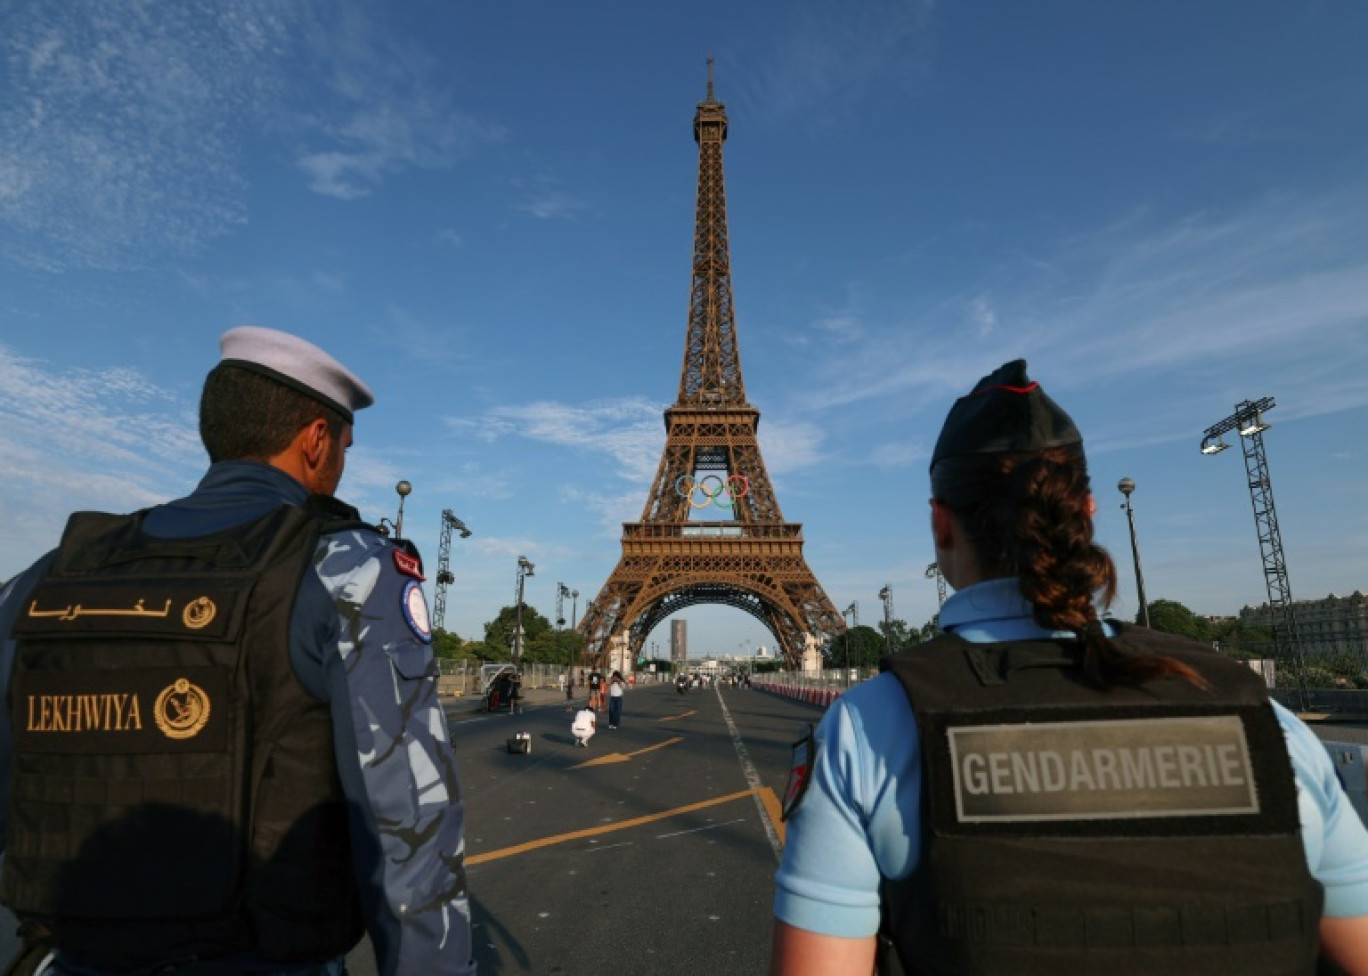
[(711, 530)]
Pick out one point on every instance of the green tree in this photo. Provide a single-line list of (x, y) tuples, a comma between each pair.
[(928, 631), (1173, 618), (480, 652), (499, 635), (865, 645), (562, 648), (447, 645), (902, 634), (1237, 639)]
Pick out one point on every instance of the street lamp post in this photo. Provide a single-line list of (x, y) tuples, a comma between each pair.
[(403, 489), (525, 569), (562, 591), (574, 618), (852, 611), (561, 594), (1126, 486)]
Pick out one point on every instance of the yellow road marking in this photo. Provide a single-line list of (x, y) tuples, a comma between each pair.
[(617, 757), (533, 845), (672, 718), (774, 810)]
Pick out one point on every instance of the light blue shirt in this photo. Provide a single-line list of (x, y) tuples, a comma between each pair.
[(859, 820)]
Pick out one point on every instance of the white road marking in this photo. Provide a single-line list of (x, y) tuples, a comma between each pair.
[(695, 830), (752, 778)]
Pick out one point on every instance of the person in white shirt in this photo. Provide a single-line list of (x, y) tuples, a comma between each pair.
[(584, 726)]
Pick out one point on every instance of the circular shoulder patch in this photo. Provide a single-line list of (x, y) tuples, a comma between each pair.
[(416, 612)]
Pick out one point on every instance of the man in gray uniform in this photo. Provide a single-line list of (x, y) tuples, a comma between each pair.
[(221, 748)]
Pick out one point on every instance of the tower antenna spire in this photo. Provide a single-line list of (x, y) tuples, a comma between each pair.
[(710, 84)]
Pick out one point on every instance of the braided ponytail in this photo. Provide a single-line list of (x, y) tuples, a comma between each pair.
[(1029, 515)]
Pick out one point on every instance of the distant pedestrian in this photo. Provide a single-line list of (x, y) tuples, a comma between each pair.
[(584, 726), (616, 688), (596, 691), (569, 688), (515, 693)]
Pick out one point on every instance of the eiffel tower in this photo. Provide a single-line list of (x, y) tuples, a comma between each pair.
[(711, 531)]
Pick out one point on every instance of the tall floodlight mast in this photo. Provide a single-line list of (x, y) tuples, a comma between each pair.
[(933, 572), (1248, 422), (444, 577)]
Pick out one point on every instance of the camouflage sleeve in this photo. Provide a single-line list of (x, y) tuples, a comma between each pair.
[(394, 753)]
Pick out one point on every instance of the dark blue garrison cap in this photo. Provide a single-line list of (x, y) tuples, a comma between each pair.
[(298, 364), (1005, 413)]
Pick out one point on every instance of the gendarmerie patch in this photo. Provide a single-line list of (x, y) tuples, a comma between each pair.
[(1104, 770), (800, 773)]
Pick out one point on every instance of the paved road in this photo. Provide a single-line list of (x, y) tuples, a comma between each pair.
[(651, 852)]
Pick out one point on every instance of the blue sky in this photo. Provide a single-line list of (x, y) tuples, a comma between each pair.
[(487, 211)]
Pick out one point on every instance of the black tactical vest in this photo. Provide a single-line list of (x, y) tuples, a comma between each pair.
[(175, 793), (1071, 829)]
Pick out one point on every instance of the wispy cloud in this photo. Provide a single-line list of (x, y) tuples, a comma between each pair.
[(428, 343), (383, 108), (1165, 310), (790, 446), (120, 128), (840, 328), (627, 430), (826, 55), (545, 198), (899, 454), (1277, 120), (124, 128), (385, 132), (84, 438), (982, 315), (329, 282)]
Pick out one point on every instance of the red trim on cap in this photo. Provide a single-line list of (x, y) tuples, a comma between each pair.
[(1010, 389)]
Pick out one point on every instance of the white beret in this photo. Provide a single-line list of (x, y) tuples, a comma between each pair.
[(298, 364)]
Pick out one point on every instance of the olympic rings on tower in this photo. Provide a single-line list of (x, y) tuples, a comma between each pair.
[(711, 488)]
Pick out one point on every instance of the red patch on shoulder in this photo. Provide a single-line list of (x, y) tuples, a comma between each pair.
[(800, 773), (408, 565)]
